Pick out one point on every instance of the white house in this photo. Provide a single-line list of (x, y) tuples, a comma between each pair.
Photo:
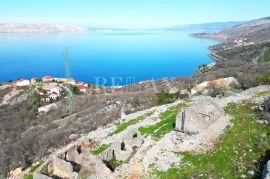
[(70, 81), (53, 95), (82, 84), (34, 80), (22, 82), (60, 80), (56, 89), (47, 79), (82, 89)]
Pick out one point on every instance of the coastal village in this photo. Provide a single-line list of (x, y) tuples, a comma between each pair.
[(50, 89)]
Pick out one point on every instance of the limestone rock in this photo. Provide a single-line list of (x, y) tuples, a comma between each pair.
[(62, 168), (223, 83), (73, 136), (14, 174), (198, 117), (266, 171), (40, 176)]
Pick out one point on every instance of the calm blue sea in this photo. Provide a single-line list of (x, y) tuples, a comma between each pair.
[(130, 55)]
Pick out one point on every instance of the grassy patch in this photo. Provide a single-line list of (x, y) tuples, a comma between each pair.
[(32, 170), (101, 149), (264, 78), (166, 124), (122, 126), (38, 84), (114, 163), (243, 143), (263, 93)]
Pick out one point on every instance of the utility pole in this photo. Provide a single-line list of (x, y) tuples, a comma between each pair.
[(70, 100), (263, 55), (67, 63)]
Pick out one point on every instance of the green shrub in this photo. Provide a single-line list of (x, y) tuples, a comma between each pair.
[(23, 115), (265, 78), (100, 149), (74, 89), (165, 98), (114, 163)]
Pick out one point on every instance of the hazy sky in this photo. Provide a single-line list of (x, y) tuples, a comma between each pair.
[(131, 13)]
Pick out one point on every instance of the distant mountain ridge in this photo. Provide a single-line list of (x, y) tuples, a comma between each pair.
[(40, 28), (206, 27), (255, 31)]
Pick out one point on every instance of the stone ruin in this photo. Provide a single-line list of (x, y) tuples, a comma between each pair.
[(75, 160), (124, 149), (198, 117)]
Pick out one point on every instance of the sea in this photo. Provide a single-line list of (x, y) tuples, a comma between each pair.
[(109, 58)]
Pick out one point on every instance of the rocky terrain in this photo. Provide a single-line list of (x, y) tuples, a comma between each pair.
[(139, 153), (139, 130), (40, 28)]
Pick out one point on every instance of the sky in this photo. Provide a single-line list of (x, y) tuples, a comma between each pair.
[(131, 13)]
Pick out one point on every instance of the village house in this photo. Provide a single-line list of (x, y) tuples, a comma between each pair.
[(34, 80), (47, 79), (60, 80), (82, 89), (82, 84), (53, 96), (70, 81), (56, 89), (22, 82)]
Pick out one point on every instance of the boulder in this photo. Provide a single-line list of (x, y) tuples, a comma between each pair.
[(266, 171), (219, 84), (62, 168), (266, 105), (198, 117), (173, 90), (15, 173), (73, 155), (40, 176), (73, 136)]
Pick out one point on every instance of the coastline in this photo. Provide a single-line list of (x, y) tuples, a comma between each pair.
[(201, 46)]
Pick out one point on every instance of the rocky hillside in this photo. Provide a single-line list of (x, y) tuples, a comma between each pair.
[(40, 28), (242, 61), (215, 135), (256, 30)]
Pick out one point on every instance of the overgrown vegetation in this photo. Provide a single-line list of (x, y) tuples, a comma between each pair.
[(263, 79), (74, 89), (122, 126), (113, 163), (265, 57), (263, 93), (166, 124), (242, 150), (101, 149), (165, 98), (33, 169)]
